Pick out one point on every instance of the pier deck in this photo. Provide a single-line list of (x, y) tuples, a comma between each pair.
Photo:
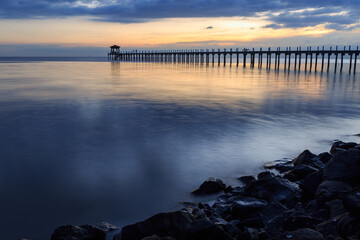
[(291, 58)]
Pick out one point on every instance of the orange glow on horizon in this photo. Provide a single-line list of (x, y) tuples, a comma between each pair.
[(74, 32)]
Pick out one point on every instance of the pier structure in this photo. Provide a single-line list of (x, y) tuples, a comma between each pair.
[(292, 58)]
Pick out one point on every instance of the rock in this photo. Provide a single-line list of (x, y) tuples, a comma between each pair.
[(329, 227), (155, 237), (298, 220), (324, 157), (84, 232), (335, 207), (349, 227), (211, 185), (247, 179), (245, 207), (311, 183), (205, 229), (299, 172), (352, 203), (344, 166), (341, 145), (107, 226), (173, 224), (302, 234), (280, 165), (274, 189), (330, 190), (271, 210), (265, 175), (304, 158)]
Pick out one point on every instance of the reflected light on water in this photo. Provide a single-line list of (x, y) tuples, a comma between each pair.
[(85, 142)]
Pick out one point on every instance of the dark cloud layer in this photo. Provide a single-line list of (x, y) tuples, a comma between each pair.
[(282, 13)]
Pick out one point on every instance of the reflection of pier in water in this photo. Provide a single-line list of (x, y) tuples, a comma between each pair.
[(312, 57)]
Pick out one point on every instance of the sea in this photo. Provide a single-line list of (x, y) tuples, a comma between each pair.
[(85, 141)]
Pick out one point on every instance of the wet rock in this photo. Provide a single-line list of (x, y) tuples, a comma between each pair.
[(274, 189), (245, 207), (232, 229), (352, 203), (211, 185), (299, 172), (330, 190), (324, 157), (329, 227), (155, 237), (280, 165), (172, 224), (107, 226), (84, 232), (335, 207), (302, 234), (271, 210), (265, 175), (349, 227), (338, 145), (298, 220), (247, 179), (344, 166), (304, 158), (311, 183), (205, 229)]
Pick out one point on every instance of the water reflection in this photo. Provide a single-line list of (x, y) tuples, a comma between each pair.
[(85, 142)]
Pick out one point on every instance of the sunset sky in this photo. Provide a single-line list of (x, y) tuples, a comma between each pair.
[(88, 27)]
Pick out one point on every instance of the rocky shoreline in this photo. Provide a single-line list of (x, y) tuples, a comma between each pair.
[(311, 197)]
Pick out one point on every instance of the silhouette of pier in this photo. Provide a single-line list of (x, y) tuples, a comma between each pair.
[(292, 58)]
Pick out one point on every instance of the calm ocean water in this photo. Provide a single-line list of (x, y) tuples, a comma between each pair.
[(85, 141)]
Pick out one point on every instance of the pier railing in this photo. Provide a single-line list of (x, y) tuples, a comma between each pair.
[(291, 58)]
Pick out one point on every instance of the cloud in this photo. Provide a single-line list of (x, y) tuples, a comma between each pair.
[(333, 14), (209, 27)]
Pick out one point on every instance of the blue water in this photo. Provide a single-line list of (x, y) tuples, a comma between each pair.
[(85, 140)]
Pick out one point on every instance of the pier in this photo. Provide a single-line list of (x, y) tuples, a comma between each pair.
[(292, 58)]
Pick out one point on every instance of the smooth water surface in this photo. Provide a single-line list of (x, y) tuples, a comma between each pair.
[(85, 142)]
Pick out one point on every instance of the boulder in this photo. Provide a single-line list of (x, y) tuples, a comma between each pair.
[(344, 166), (205, 229), (352, 203), (304, 158), (302, 234), (280, 165), (335, 207), (271, 210), (155, 237), (265, 175), (349, 227), (324, 157), (329, 227), (245, 207), (311, 183), (211, 185), (274, 189), (298, 220), (330, 190), (172, 224), (299, 172), (247, 179), (338, 145), (84, 232)]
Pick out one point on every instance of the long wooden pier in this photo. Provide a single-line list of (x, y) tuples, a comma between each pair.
[(313, 59)]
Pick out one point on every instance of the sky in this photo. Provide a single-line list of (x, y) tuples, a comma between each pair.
[(89, 27)]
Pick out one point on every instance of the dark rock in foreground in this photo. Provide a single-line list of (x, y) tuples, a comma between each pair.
[(314, 197), (84, 232), (173, 224), (211, 185)]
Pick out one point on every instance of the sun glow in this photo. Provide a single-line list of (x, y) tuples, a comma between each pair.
[(189, 31)]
